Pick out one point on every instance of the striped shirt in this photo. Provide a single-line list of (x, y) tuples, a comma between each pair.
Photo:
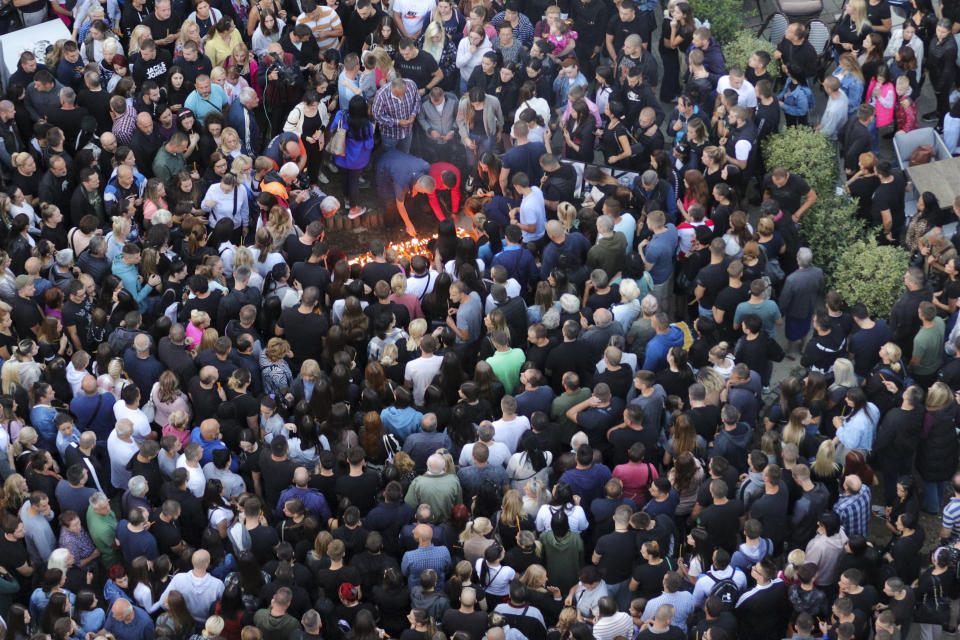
[(388, 109), (951, 518), (326, 20)]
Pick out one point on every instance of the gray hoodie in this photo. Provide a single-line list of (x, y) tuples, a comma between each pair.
[(434, 603)]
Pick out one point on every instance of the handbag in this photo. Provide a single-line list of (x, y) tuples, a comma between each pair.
[(337, 144), (921, 155), (150, 409)]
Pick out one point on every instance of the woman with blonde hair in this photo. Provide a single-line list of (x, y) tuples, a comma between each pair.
[(207, 340), (154, 198), (119, 230), (887, 380), (23, 447), (317, 557), (721, 359), (795, 432), (415, 332), (199, 322), (276, 373), (399, 295), (280, 226), (140, 33), (230, 143), (244, 258), (567, 215), (177, 425), (475, 538), (113, 380), (167, 398), (825, 469), (189, 31), (544, 597), (852, 29), (511, 519), (937, 452), (15, 490)]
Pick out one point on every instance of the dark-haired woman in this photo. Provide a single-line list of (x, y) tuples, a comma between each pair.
[(357, 149), (615, 140), (675, 39)]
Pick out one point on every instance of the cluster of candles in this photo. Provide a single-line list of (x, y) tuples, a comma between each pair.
[(406, 249)]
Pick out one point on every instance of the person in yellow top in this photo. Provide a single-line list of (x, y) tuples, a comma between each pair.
[(221, 41)]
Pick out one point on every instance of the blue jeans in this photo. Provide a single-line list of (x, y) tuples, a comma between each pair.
[(484, 144), (620, 592), (400, 144), (874, 136), (933, 496)]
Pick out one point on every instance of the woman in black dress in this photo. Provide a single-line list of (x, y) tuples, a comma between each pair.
[(675, 40), (578, 134), (615, 141), (852, 28)]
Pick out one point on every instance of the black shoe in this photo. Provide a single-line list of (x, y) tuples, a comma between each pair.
[(933, 116)]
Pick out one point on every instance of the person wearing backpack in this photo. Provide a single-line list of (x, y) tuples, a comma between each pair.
[(722, 580)]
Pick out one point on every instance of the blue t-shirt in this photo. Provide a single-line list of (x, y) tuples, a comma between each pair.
[(136, 544), (865, 346), (396, 172), (587, 483), (660, 252)]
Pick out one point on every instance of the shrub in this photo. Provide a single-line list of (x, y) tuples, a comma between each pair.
[(725, 17), (871, 274), (738, 51), (829, 227), (803, 151)]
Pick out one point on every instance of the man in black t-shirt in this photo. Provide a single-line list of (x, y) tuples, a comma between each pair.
[(627, 21), (305, 326), (377, 269), (276, 470), (299, 248), (615, 555), (419, 66), (164, 27), (262, 537), (887, 204), (725, 306), (712, 278), (722, 518), (311, 272), (166, 529), (26, 313), (76, 314)]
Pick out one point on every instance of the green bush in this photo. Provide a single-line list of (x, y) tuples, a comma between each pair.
[(803, 151), (829, 227), (739, 50), (871, 274), (725, 17)]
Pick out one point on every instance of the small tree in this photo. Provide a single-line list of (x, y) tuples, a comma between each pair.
[(725, 17), (738, 51), (829, 227), (871, 274), (803, 151)]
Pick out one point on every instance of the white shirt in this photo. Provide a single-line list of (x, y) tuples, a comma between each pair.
[(746, 94), (120, 453), (513, 291), (509, 432), (413, 13), (498, 578), (575, 515), (421, 285), (196, 481), (499, 454), (608, 628), (420, 371), (707, 579), (141, 426)]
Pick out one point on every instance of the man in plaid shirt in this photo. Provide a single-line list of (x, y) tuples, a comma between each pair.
[(395, 108), (425, 556), (853, 507)]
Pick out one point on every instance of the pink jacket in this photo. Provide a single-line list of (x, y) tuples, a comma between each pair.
[(885, 105)]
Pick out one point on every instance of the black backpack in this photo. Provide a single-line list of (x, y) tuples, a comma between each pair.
[(725, 589)]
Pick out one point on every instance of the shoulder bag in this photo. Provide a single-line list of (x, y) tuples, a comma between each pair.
[(338, 141)]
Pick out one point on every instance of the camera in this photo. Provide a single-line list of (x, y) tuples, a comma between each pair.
[(289, 75)]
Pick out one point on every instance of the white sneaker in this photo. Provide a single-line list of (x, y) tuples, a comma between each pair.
[(323, 179), (355, 213), (332, 167)]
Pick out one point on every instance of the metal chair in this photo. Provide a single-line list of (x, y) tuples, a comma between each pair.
[(818, 34), (800, 9), (774, 28)]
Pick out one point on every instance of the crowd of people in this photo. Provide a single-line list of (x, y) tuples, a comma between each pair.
[(561, 421)]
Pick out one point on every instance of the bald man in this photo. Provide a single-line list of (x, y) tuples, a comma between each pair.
[(108, 144), (200, 589), (128, 622), (206, 393), (853, 507), (9, 134), (208, 436), (142, 366), (313, 500), (93, 410), (426, 556), (439, 489)]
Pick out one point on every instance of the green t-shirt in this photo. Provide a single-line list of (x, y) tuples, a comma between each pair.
[(928, 347), (103, 532), (506, 366), (768, 311)]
